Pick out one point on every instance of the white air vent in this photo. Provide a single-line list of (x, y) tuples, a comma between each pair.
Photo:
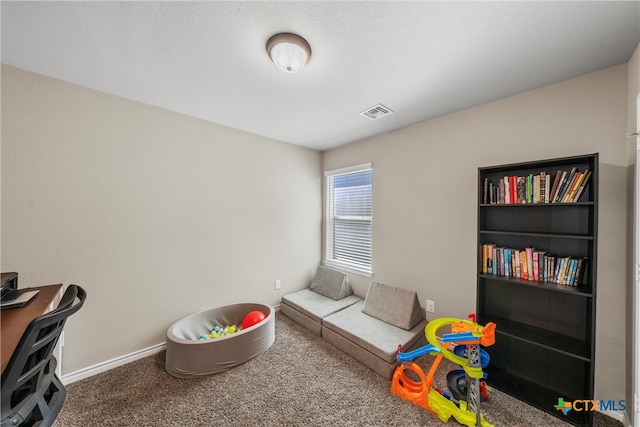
[(376, 112)]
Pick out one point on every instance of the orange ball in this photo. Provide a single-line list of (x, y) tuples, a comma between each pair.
[(252, 318)]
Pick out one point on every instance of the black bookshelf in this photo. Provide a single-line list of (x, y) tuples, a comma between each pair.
[(545, 334)]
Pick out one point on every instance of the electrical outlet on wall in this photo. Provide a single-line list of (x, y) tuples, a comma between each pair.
[(431, 306)]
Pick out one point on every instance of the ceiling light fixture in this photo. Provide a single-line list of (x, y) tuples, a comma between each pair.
[(289, 52)]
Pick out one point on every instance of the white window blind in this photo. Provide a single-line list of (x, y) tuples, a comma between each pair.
[(348, 218)]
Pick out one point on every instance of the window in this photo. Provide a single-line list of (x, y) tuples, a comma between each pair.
[(348, 218)]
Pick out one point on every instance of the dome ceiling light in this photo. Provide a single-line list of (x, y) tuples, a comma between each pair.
[(289, 52)]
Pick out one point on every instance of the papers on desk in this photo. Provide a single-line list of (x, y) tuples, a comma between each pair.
[(17, 298)]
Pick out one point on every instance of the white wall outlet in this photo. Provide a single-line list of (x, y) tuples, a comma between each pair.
[(431, 306), (276, 284)]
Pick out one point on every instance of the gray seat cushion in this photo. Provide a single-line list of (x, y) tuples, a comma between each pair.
[(376, 336), (315, 305), (331, 283), (396, 306)]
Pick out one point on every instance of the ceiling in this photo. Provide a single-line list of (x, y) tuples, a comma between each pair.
[(420, 59)]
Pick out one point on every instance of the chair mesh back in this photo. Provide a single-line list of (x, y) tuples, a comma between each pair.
[(31, 392)]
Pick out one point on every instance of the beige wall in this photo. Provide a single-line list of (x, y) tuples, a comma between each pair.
[(156, 214), (424, 197)]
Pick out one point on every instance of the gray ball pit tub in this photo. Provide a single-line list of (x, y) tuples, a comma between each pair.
[(188, 356)]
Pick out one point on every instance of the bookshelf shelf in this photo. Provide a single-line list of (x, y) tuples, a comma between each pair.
[(551, 341), (545, 342), (583, 291), (551, 235)]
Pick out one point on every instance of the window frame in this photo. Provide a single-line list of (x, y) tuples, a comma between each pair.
[(328, 259)]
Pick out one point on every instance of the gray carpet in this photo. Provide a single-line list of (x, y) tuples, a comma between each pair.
[(300, 381)]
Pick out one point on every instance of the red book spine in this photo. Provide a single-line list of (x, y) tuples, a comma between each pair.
[(513, 186)]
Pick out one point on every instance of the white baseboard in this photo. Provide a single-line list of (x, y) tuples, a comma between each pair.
[(110, 364)]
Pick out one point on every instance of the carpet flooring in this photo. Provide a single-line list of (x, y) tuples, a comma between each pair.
[(300, 381)]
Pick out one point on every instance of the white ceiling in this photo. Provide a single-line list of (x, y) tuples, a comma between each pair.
[(421, 59)]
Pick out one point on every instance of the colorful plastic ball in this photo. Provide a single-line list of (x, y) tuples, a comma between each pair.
[(252, 318)]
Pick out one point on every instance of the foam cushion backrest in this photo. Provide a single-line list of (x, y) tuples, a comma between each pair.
[(396, 306), (331, 283)]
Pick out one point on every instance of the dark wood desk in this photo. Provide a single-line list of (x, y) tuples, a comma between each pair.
[(14, 321)]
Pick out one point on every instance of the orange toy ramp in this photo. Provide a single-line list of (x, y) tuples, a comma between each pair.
[(408, 389)]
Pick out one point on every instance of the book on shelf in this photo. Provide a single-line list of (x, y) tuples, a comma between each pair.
[(554, 186), (491, 193), (562, 189), (523, 265), (522, 190), (549, 266), (581, 187), (529, 263), (485, 191), (561, 180), (579, 274), (485, 187), (507, 262), (547, 188), (507, 190), (538, 265), (563, 186), (538, 191), (538, 260), (571, 188), (532, 265), (573, 265), (487, 261), (483, 260), (561, 268)]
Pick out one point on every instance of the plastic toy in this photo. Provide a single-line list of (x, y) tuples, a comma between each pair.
[(252, 318), (466, 385), (220, 331)]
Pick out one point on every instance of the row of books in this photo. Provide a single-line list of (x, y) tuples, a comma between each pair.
[(565, 186), (532, 264)]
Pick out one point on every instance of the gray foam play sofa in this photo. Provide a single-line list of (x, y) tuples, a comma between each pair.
[(328, 293), (368, 329)]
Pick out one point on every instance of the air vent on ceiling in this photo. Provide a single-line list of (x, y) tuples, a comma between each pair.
[(377, 111)]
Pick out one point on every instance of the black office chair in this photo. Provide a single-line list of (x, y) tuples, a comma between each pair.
[(32, 394)]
